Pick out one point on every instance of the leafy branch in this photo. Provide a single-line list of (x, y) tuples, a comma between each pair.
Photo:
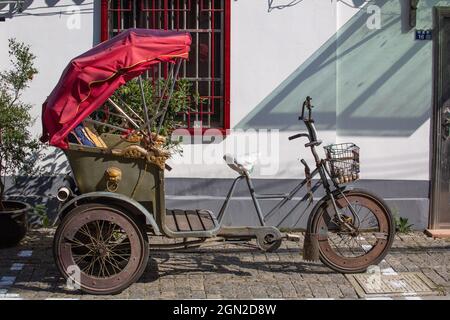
[(16, 142)]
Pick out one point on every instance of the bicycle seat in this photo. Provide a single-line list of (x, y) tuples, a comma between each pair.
[(241, 164)]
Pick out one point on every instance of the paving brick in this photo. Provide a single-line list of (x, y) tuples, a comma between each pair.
[(223, 271)]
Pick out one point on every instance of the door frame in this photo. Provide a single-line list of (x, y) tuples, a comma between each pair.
[(436, 121)]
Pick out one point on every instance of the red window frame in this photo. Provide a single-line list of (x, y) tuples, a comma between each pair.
[(104, 35)]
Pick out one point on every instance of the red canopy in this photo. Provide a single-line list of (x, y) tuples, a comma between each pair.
[(91, 78)]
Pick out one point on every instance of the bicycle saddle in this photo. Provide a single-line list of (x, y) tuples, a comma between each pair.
[(241, 164)]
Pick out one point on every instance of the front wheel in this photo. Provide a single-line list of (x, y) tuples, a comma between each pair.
[(361, 238)]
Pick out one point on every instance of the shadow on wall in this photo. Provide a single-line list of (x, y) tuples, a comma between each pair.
[(282, 4), (23, 8), (41, 188), (50, 165), (374, 82)]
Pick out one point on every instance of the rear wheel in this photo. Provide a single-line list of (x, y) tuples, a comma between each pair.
[(362, 239), (106, 246)]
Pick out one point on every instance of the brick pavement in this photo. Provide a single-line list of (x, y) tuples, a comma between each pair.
[(224, 271)]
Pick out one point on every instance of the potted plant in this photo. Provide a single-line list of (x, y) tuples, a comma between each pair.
[(16, 142)]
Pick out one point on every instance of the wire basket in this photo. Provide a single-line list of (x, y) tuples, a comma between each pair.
[(344, 162)]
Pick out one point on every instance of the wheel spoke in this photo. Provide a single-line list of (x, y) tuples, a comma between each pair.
[(87, 233), (124, 256), (366, 216), (114, 263), (75, 243), (107, 248), (123, 243), (111, 227), (91, 265), (82, 257), (99, 231), (102, 267)]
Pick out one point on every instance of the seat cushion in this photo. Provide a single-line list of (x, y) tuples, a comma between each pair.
[(241, 164)]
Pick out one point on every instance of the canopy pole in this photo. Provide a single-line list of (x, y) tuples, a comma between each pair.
[(119, 115), (105, 124), (147, 120), (131, 109), (174, 78), (157, 112), (123, 113), (162, 94)]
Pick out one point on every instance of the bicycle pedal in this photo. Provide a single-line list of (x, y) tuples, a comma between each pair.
[(292, 237)]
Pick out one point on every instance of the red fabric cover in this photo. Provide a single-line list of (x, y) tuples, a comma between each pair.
[(91, 78)]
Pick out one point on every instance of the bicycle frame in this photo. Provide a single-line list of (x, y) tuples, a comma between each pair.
[(255, 197), (320, 170)]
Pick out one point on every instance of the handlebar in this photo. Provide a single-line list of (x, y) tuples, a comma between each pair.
[(309, 122), (298, 136)]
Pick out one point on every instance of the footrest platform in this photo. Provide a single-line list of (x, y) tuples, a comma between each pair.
[(190, 220)]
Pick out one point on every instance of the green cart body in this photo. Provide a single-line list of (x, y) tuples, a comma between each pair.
[(141, 186)]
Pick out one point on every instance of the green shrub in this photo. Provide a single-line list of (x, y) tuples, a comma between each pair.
[(39, 217), (402, 224), (16, 142)]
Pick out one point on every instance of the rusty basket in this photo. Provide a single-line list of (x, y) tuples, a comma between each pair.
[(343, 161)]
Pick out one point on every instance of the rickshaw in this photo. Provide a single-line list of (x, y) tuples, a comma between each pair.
[(115, 199)]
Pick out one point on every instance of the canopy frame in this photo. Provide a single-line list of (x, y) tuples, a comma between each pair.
[(147, 122)]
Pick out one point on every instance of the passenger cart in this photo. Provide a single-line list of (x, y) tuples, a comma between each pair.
[(115, 200)]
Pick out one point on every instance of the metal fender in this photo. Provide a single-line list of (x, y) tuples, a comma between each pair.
[(311, 251), (111, 198), (314, 212)]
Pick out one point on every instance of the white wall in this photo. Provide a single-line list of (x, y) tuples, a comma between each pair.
[(267, 47), (398, 77)]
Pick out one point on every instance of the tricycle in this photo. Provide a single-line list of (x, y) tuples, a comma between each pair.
[(115, 200)]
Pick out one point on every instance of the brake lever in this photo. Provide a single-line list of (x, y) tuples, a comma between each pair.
[(303, 161)]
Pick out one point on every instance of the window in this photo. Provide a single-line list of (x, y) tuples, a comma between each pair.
[(208, 65)]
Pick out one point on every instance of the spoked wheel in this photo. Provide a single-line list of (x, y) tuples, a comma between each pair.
[(362, 239), (107, 247)]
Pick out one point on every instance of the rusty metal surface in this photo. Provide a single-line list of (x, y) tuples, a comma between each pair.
[(346, 251), (100, 248)]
